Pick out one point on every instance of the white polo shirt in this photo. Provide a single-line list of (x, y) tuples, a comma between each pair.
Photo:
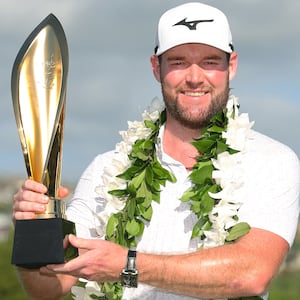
[(270, 202)]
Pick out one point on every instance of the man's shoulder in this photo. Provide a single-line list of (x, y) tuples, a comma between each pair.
[(105, 155), (99, 162), (266, 147)]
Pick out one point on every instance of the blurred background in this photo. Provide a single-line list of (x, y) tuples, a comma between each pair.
[(110, 80)]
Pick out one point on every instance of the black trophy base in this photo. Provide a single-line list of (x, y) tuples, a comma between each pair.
[(39, 242)]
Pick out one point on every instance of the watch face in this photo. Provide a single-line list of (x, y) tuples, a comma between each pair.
[(129, 279)]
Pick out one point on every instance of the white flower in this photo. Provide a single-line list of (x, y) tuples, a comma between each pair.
[(214, 238), (136, 130), (238, 127), (154, 110), (237, 132), (91, 289), (157, 106), (232, 106), (228, 173), (227, 169)]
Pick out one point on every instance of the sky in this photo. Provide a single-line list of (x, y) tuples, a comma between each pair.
[(110, 80)]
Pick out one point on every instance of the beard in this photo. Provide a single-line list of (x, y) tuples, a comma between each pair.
[(202, 119)]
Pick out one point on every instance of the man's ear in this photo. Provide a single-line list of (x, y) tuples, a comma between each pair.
[(155, 67), (233, 63)]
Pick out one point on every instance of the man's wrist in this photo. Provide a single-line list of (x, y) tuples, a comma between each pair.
[(129, 275)]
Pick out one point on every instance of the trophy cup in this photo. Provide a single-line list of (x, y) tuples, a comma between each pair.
[(38, 84)]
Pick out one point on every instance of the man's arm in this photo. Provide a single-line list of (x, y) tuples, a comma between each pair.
[(243, 268), (44, 287)]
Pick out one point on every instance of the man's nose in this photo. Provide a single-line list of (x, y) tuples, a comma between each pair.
[(195, 75)]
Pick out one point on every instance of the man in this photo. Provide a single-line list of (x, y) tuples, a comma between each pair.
[(194, 61)]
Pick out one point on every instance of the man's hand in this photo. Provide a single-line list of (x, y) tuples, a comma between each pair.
[(99, 260), (31, 200)]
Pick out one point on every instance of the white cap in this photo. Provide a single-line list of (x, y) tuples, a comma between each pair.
[(193, 23)]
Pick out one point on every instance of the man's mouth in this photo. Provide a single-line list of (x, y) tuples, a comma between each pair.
[(195, 94)]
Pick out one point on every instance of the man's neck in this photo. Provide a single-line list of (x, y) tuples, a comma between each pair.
[(177, 143)]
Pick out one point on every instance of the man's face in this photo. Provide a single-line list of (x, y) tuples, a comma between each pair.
[(195, 82)]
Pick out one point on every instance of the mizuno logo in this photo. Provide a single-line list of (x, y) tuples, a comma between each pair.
[(191, 25)]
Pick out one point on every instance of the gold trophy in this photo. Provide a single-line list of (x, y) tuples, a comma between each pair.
[(38, 84)]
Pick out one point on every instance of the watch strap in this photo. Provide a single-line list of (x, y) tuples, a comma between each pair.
[(131, 258), (129, 275)]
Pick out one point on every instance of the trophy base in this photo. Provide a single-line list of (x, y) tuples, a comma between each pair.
[(39, 242)]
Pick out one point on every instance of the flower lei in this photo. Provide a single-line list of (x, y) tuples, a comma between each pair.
[(134, 177)]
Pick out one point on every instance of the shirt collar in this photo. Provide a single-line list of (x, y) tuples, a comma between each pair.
[(161, 155)]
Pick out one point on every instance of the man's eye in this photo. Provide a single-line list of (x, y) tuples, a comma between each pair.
[(210, 62), (177, 63)]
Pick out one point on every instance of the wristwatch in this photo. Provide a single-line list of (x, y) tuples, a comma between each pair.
[(129, 275)]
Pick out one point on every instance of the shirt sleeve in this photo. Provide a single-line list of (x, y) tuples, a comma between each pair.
[(85, 203), (271, 200)]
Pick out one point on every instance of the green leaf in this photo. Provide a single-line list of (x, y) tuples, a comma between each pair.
[(220, 119), (201, 175), (161, 173), (203, 145), (207, 204), (142, 156), (215, 188), (150, 124), (201, 163), (132, 227), (149, 175), (237, 231), (145, 193), (188, 194), (216, 128), (137, 180), (221, 147), (141, 226), (142, 149), (156, 196), (131, 172), (131, 189), (112, 291), (147, 214), (120, 238), (155, 186), (199, 227), (119, 193), (139, 200), (196, 207), (196, 231), (232, 151), (131, 204), (147, 145), (111, 225)]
